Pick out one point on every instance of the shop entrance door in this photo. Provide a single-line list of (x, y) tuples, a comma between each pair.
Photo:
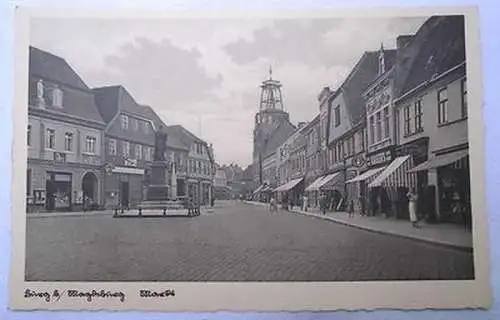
[(124, 194)]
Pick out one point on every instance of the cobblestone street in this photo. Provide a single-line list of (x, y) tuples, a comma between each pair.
[(236, 242)]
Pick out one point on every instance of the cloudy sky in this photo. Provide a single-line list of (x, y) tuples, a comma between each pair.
[(205, 73)]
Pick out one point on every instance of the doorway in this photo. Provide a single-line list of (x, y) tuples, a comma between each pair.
[(58, 189), (124, 194), (90, 191)]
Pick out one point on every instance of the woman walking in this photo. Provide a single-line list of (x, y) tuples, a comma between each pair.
[(412, 206)]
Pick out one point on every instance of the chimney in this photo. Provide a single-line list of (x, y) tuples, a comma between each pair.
[(403, 41)]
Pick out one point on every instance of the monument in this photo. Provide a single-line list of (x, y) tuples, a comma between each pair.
[(158, 188), (161, 198)]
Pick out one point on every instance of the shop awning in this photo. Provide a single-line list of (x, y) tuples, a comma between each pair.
[(329, 180), (366, 175), (314, 186), (443, 160), (396, 174), (289, 185), (258, 189)]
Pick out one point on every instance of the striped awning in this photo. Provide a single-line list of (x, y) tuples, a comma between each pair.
[(289, 185), (367, 175), (442, 160), (329, 180), (396, 174), (258, 189), (314, 186)]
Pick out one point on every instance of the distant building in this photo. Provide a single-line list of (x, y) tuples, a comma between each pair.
[(313, 169), (272, 125), (221, 189), (200, 165), (64, 137)]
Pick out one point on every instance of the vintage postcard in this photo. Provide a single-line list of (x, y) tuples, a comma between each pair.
[(248, 162)]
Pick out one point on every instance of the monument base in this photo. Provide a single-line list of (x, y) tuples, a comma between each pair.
[(157, 193)]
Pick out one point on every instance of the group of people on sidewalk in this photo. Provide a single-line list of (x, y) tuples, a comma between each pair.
[(287, 204)]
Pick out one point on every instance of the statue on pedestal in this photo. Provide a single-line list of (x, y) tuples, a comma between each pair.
[(160, 145)]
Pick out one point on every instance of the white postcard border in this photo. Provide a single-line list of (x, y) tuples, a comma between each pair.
[(253, 296)]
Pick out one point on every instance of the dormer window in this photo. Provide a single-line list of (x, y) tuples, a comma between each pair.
[(381, 63), (57, 97)]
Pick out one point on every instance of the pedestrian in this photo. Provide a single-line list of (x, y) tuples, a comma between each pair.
[(304, 203), (212, 202), (272, 204), (322, 203), (412, 206)]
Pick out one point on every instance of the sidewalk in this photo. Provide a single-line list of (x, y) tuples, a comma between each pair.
[(31, 215), (448, 235)]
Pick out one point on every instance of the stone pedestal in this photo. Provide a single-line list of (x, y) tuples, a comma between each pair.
[(159, 187)]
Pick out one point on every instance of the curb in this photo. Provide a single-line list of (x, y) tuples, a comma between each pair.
[(429, 241), (67, 215)]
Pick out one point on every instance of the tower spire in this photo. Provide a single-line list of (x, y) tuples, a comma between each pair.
[(270, 73)]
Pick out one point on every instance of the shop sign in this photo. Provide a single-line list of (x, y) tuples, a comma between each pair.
[(379, 158), (130, 162)]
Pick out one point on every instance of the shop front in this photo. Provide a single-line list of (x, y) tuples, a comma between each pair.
[(358, 187), (450, 174), (291, 192), (58, 188), (388, 191), (125, 187)]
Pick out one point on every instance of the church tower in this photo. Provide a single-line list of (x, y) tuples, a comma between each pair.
[(267, 120)]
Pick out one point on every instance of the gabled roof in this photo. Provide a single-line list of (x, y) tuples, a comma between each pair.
[(278, 136), (187, 137), (439, 45), (45, 65), (364, 72), (78, 100), (173, 140)]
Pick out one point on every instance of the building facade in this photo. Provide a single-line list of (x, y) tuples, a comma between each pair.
[(432, 121), (129, 146), (64, 138), (313, 172), (200, 166)]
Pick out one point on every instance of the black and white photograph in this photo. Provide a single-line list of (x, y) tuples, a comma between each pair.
[(324, 153)]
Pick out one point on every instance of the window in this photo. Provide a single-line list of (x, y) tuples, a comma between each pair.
[(112, 147), (138, 151), (145, 127), (124, 121), (135, 124), (464, 98), (57, 98), (339, 152), (386, 122), (337, 116), (90, 144), (379, 125), (407, 125), (28, 135), (372, 130), (50, 141), (353, 145), (442, 97), (68, 141), (125, 149), (147, 153), (418, 115)]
